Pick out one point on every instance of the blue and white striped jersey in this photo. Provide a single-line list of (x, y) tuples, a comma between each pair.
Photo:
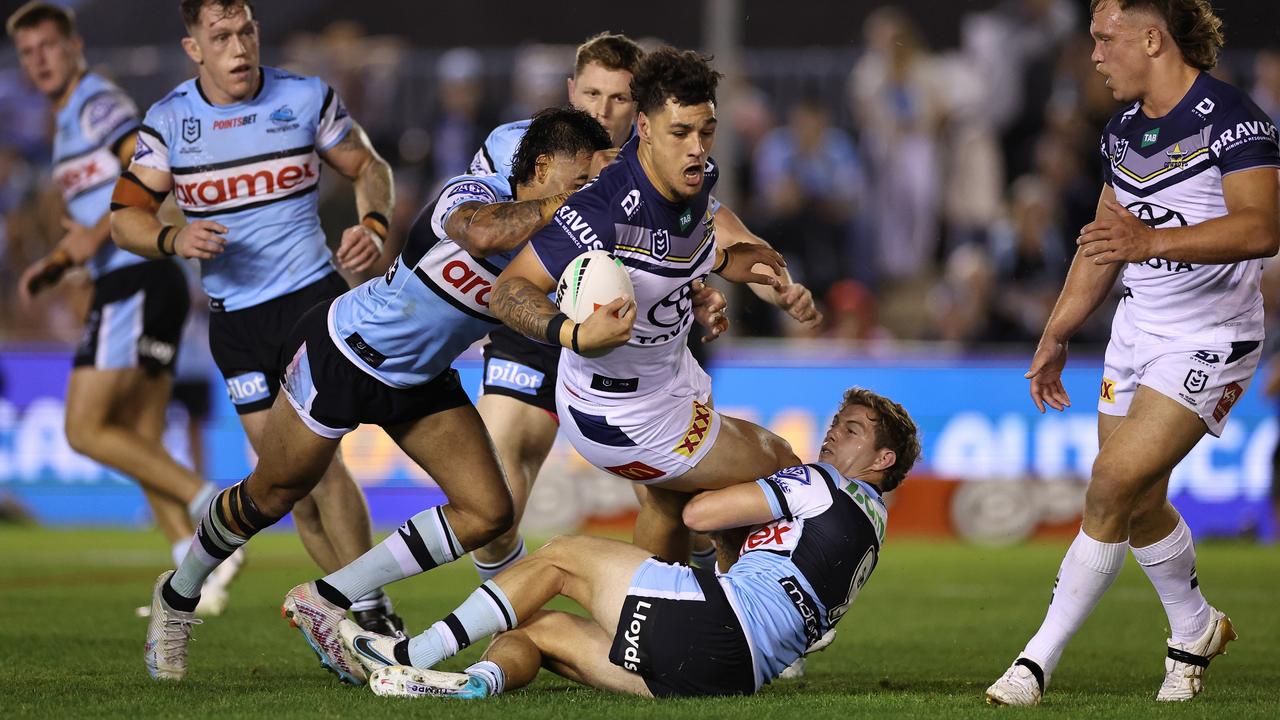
[(90, 128), (798, 575), (408, 326), (254, 167), (1168, 172)]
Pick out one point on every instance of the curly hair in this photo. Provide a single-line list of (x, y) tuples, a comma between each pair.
[(667, 73), (557, 131), (611, 51), (895, 430), (1195, 28), (191, 9)]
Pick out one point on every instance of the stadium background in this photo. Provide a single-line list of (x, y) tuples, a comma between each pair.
[(923, 167)]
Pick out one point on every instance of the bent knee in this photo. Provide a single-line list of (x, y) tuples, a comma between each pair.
[(82, 436)]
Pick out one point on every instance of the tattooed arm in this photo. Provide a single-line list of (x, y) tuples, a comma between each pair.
[(520, 300), (490, 228), (355, 158)]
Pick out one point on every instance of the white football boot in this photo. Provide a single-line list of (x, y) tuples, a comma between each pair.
[(167, 636), (1022, 684), (371, 650), (410, 682), (317, 619), (1186, 662)]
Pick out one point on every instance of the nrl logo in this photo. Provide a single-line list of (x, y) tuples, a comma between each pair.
[(190, 129)]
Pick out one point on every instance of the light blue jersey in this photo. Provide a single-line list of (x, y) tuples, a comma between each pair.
[(96, 120), (408, 326), (799, 574), (254, 167), (498, 153)]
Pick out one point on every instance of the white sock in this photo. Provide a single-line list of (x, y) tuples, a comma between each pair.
[(1170, 564), (489, 671), (179, 551), (1087, 571)]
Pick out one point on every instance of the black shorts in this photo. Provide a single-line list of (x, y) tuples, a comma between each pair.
[(682, 648), (521, 368), (333, 396), (248, 345), (136, 318)]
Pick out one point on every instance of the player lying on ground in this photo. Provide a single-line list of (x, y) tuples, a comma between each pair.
[(660, 630), (1188, 209)]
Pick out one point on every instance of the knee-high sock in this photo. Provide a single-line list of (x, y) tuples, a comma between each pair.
[(214, 542), (1087, 571), (1170, 564), (423, 542), (487, 571), (485, 612)]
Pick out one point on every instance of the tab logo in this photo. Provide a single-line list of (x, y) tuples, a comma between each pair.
[(1149, 137), (248, 388)]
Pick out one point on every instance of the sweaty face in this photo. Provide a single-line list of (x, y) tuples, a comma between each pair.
[(225, 46), (565, 173), (679, 140), (1119, 41), (50, 59), (850, 443), (605, 95)]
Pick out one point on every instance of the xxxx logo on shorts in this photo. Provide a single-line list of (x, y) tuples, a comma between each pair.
[(1230, 394), (697, 432), (636, 471), (1108, 390)]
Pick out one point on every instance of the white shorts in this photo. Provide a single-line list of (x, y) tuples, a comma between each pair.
[(656, 438), (1206, 378)]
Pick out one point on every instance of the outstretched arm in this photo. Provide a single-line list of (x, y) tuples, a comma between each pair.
[(792, 297), (490, 228), (355, 159)]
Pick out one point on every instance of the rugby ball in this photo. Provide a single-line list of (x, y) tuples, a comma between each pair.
[(594, 279)]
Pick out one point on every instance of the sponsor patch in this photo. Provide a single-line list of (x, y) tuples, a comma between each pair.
[(1149, 137), (1108, 393), (513, 376), (1196, 380), (699, 424), (636, 471), (248, 388), (1230, 394)]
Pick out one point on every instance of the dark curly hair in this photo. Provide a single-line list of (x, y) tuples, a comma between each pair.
[(557, 131), (894, 430), (1195, 28), (666, 73), (191, 9)]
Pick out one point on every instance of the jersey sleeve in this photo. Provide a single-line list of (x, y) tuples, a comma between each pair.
[(583, 223), (107, 117), (796, 492), (1245, 138), (1107, 178), (457, 192), (154, 136), (335, 121)]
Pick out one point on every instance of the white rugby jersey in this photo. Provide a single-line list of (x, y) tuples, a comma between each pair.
[(1168, 172), (664, 247)]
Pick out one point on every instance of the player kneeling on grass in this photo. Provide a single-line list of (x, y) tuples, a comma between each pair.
[(661, 630)]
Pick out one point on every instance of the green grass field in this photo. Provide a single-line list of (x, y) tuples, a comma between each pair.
[(936, 624)]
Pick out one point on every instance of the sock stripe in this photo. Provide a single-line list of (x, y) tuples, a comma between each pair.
[(504, 609), (221, 534), (495, 565), (233, 507), (450, 542), (459, 632), (412, 538), (254, 518)]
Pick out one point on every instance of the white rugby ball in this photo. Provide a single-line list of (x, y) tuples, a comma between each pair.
[(594, 279)]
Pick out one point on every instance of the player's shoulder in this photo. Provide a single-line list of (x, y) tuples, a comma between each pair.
[(168, 111), (284, 85), (100, 100), (508, 132)]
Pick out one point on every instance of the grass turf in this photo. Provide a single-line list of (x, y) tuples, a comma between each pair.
[(935, 625)]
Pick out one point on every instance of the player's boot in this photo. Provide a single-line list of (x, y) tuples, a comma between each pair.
[(793, 671), (1022, 684), (167, 636), (1184, 667), (371, 650), (410, 682), (317, 619), (379, 621)]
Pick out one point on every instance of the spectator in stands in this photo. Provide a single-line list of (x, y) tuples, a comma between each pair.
[(1030, 261), (897, 111), (809, 182), (1266, 87)]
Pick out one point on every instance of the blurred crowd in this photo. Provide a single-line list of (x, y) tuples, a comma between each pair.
[(922, 194)]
